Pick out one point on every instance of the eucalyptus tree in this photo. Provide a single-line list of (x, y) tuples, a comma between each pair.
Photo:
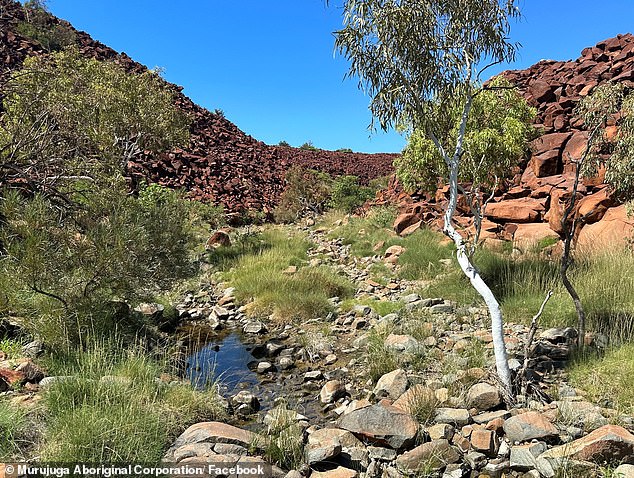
[(607, 102), (421, 61)]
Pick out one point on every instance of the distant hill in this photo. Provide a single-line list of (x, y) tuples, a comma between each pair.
[(221, 164)]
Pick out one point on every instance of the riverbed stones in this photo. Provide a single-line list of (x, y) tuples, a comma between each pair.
[(245, 402), (331, 391), (392, 385), (381, 424), (264, 367), (483, 396), (624, 471), (524, 457), (254, 327), (435, 454), (338, 472), (401, 343), (529, 426), (286, 363), (610, 443), (453, 416), (212, 432)]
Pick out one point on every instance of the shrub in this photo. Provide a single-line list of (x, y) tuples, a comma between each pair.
[(69, 120), (344, 150), (44, 29), (308, 146), (66, 273), (347, 194), (284, 143), (307, 191), (75, 244)]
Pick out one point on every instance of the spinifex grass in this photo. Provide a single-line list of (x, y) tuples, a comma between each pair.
[(110, 407)]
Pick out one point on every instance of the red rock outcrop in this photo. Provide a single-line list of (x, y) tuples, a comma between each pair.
[(541, 189), (221, 164)]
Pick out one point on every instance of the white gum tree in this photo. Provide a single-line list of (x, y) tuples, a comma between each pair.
[(420, 61)]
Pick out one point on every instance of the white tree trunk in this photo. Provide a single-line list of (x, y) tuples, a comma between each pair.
[(497, 326)]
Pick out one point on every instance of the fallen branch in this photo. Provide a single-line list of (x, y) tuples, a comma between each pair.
[(529, 341)]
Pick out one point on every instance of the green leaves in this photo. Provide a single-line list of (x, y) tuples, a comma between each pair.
[(609, 104), (498, 129), (410, 55), (67, 116)]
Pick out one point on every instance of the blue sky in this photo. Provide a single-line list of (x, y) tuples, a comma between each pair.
[(270, 64)]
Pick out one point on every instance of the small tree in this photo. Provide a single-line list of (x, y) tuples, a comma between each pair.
[(70, 118), (74, 243), (420, 62), (617, 157)]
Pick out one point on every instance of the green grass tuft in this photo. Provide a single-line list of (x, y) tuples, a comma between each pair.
[(260, 277), (607, 379), (128, 416)]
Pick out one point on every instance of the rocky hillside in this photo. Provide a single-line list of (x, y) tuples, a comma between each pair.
[(530, 208), (221, 164)]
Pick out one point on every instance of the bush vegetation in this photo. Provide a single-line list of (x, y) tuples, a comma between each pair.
[(75, 243), (258, 272), (313, 192), (44, 29), (113, 408)]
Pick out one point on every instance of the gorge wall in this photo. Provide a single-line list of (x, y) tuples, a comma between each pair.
[(529, 208)]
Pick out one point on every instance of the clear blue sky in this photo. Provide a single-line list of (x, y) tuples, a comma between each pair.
[(270, 65)]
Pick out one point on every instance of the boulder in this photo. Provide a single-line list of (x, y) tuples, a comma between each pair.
[(528, 426), (613, 230), (435, 454), (529, 235), (382, 424), (608, 444), (592, 208), (483, 396), (453, 416), (331, 391), (516, 210), (213, 432), (402, 343), (392, 385)]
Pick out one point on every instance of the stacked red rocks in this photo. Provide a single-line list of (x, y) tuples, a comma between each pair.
[(530, 208), (221, 164)]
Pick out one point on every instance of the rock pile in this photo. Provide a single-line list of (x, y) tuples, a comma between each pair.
[(445, 423), (221, 164), (530, 207)]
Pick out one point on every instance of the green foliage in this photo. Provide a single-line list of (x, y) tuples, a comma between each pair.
[(309, 146), (607, 379), (618, 156), (68, 117), (60, 273), (112, 408), (347, 194), (259, 276), (43, 28), (306, 191), (75, 242), (13, 436), (344, 150), (284, 143), (497, 131), (416, 76)]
